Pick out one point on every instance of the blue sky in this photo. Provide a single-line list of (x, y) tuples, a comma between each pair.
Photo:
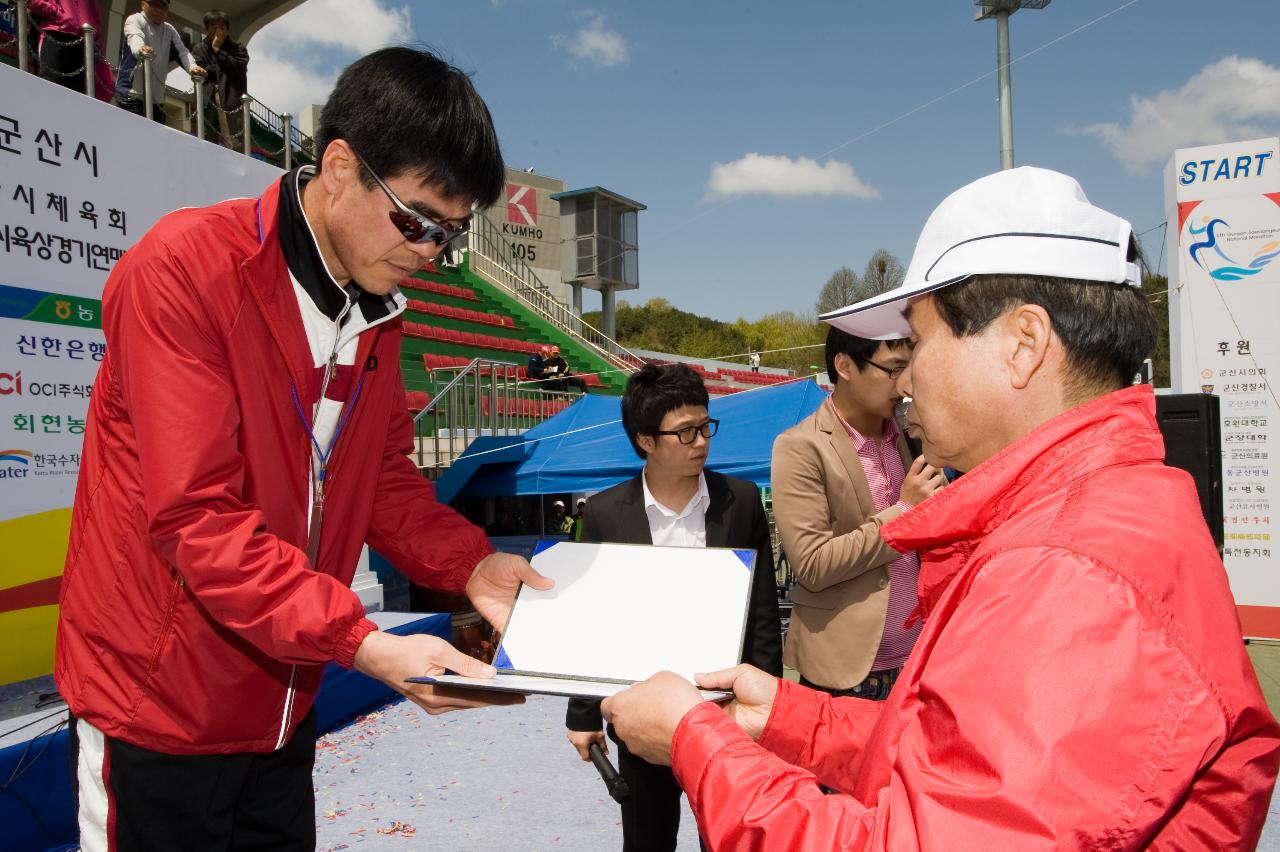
[(755, 132)]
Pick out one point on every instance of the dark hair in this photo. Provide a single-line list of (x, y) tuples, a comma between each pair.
[(407, 111), (652, 391), (1106, 329), (216, 16), (860, 349)]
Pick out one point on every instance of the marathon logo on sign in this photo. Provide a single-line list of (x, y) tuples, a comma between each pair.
[(522, 205)]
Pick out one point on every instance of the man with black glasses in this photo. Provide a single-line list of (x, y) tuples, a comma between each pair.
[(838, 475), (674, 501), (247, 437)]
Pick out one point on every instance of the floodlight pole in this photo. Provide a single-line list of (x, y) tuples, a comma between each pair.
[(1006, 90), (1001, 10)]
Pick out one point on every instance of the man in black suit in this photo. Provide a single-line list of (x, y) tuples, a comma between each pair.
[(664, 412)]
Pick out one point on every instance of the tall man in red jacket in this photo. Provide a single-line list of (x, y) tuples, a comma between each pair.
[(1079, 682), (247, 436)]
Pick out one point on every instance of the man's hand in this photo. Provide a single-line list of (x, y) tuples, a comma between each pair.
[(753, 695), (217, 36), (583, 740), (493, 585), (646, 715), (391, 659), (197, 71), (922, 480), (147, 50)]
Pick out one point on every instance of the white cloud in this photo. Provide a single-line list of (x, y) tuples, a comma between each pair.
[(292, 59), (357, 26), (763, 174), (593, 43), (1232, 99)]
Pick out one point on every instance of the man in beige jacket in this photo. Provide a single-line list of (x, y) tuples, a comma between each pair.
[(837, 476)]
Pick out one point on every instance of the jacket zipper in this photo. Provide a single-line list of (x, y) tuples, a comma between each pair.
[(174, 592), (316, 490)]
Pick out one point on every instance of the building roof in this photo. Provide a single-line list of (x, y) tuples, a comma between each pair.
[(599, 190)]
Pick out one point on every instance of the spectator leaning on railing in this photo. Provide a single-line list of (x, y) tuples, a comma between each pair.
[(226, 65), (61, 50), (149, 33)]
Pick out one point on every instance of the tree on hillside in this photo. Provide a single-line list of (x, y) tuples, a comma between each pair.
[(788, 340), (884, 272), (1156, 289), (659, 326), (841, 289)]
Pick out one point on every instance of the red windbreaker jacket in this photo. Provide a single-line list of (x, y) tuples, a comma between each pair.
[(1080, 681), (191, 621)]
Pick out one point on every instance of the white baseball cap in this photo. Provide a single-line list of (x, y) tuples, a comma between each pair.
[(1023, 221)]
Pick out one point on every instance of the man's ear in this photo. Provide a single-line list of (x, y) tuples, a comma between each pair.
[(647, 443), (1029, 333), (339, 168), (845, 367)]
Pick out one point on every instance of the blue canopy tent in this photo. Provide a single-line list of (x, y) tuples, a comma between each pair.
[(583, 448)]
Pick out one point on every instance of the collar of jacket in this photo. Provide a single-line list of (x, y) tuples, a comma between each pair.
[(266, 278), (720, 502), (826, 420), (1115, 429), (307, 266)]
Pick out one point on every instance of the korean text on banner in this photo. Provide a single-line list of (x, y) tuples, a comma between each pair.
[(80, 181)]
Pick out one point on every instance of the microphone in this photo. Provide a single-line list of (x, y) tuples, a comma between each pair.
[(900, 416), (617, 785)]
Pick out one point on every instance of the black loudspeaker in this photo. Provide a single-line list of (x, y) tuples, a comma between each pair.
[(1192, 429)]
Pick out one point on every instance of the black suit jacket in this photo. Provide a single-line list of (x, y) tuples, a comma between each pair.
[(735, 518)]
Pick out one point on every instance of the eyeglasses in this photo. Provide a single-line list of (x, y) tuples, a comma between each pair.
[(413, 226), (891, 372), (689, 434)]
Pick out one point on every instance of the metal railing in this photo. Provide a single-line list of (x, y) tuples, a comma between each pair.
[(24, 40), (491, 258), (483, 397), (280, 124)]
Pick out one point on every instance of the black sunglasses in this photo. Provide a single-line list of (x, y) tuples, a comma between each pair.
[(689, 434), (413, 226)]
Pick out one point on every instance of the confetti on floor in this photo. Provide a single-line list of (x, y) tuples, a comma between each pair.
[(502, 778)]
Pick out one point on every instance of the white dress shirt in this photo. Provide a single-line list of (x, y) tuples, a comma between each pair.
[(686, 528)]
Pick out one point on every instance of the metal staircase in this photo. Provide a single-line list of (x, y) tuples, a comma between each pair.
[(483, 398), (490, 257), (487, 397)]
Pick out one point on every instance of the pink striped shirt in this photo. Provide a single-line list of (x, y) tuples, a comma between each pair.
[(885, 474)]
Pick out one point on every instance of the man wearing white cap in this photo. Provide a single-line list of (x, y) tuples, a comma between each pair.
[(559, 521), (1080, 681)]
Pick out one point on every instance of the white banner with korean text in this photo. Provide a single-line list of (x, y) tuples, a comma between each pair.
[(1223, 205), (80, 182)]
